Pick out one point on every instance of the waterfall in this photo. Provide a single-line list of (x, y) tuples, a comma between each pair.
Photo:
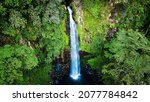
[(75, 58)]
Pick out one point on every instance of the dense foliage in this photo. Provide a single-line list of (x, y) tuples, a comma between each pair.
[(15, 60), (114, 33), (129, 53), (32, 36)]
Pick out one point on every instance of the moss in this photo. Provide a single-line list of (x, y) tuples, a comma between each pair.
[(94, 62), (95, 25), (64, 30), (38, 76)]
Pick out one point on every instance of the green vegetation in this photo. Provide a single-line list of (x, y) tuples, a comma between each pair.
[(32, 35), (114, 33), (15, 60), (129, 54)]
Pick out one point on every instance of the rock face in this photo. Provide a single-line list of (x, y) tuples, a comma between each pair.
[(79, 11)]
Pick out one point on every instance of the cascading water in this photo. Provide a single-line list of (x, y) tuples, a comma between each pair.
[(75, 59)]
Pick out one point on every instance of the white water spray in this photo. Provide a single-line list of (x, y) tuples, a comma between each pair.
[(75, 58)]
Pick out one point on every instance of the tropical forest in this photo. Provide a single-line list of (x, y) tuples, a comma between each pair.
[(74, 42)]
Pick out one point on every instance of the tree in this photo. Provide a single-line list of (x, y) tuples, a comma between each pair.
[(14, 60), (129, 54)]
